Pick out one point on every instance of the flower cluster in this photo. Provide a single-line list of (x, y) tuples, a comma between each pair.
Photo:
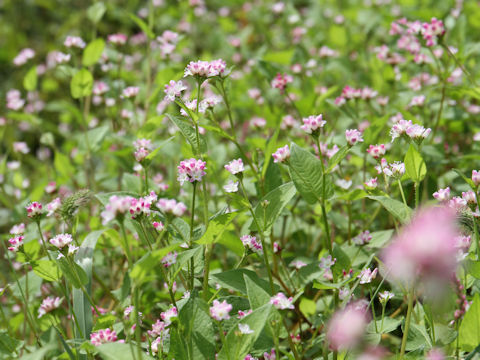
[(251, 243), (281, 81), (171, 206), (103, 336), (116, 208), (15, 243), (48, 304), (206, 69), (191, 170), (281, 155), (220, 310), (281, 302), (312, 124)]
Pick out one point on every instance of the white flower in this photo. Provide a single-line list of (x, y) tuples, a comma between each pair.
[(245, 329)]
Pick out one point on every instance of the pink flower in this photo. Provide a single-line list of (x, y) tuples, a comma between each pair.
[(140, 154), (130, 92), (23, 56), (103, 336), (169, 259), (48, 304), (53, 206), (117, 39), (116, 208), (219, 310), (435, 354), (251, 243), (353, 136), (371, 184), (174, 89), (242, 314), (347, 326), (281, 155), (15, 243), (281, 80), (281, 302), (417, 101), (424, 248), (385, 296), (235, 166), (100, 88), (158, 225), (191, 170), (34, 210), (432, 30), (171, 206), (231, 187), (442, 194), (476, 177), (61, 240), (376, 150), (362, 238), (198, 68), (168, 315), (18, 229), (74, 41), (258, 122), (366, 276), (313, 123)]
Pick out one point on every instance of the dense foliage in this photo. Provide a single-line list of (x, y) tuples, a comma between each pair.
[(239, 180)]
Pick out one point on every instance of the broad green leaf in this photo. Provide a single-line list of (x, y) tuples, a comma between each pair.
[(39, 354), (469, 333), (397, 208), (47, 270), (63, 165), (234, 280), (280, 57), (307, 306), (380, 238), (157, 150), (30, 80), (389, 325), (81, 84), (415, 167), (96, 12), (8, 345), (417, 337), (275, 201), (306, 172), (216, 227), (257, 296), (237, 346), (96, 137), (74, 273), (188, 131), (143, 26), (93, 52), (339, 156), (81, 305), (271, 146), (197, 328), (473, 268), (148, 262), (119, 351)]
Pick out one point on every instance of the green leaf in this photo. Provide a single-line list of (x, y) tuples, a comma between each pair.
[(188, 131), (8, 345), (47, 270), (469, 333), (197, 328), (157, 150), (234, 280), (38, 354), (149, 261), (74, 274), (417, 337), (81, 84), (216, 227), (339, 156), (119, 351), (306, 172), (63, 165), (96, 12), (81, 305), (271, 146), (93, 52), (237, 346), (30, 79), (307, 307), (276, 200), (415, 167), (142, 25), (397, 208), (389, 325), (473, 268), (257, 296)]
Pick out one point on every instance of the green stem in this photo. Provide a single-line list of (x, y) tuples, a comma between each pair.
[(372, 303), (262, 237), (290, 342), (401, 191), (43, 241), (383, 316), (417, 195), (125, 244), (192, 261), (145, 169), (407, 323), (138, 337)]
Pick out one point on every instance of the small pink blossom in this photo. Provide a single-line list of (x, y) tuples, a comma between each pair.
[(15, 243), (74, 41), (281, 302), (442, 194), (346, 327), (48, 304), (103, 336), (235, 166), (171, 206), (281, 81), (281, 155), (219, 310), (34, 210), (191, 170), (169, 259), (353, 136), (313, 123), (130, 92), (61, 240), (376, 150), (117, 39), (174, 89)]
